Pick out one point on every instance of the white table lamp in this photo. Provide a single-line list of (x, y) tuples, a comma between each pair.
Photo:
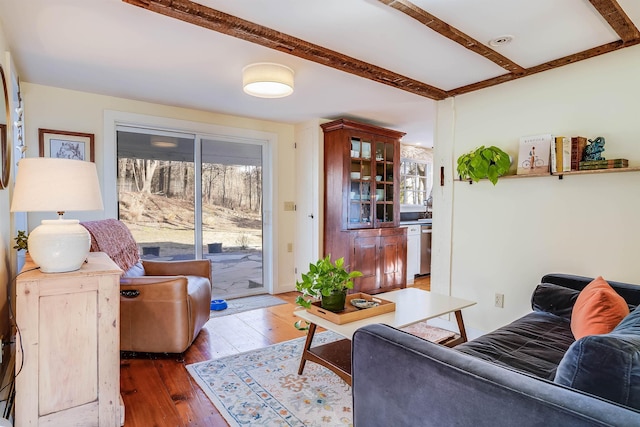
[(57, 185)]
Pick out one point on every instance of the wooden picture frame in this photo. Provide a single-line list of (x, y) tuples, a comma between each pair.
[(66, 145)]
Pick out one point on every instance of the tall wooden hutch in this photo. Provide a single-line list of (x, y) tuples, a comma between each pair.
[(361, 204)]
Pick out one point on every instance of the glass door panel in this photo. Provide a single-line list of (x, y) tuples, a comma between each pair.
[(360, 184), (384, 178), (156, 191), (232, 233)]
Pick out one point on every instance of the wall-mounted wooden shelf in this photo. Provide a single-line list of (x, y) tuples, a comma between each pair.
[(596, 171), (560, 175)]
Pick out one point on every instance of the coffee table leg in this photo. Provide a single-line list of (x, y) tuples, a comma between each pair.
[(463, 332), (307, 345)]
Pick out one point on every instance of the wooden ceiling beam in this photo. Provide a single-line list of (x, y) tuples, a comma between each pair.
[(453, 34), (194, 13), (221, 22), (617, 19), (570, 59)]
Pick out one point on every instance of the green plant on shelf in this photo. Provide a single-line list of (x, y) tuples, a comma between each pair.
[(483, 162)]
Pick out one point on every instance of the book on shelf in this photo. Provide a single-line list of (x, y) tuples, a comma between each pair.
[(560, 154), (534, 154), (604, 164), (578, 144)]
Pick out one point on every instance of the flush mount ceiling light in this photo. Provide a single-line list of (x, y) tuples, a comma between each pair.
[(501, 41), (163, 141), (267, 80)]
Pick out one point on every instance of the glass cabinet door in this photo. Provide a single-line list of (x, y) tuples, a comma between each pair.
[(384, 183), (360, 190), (371, 184)]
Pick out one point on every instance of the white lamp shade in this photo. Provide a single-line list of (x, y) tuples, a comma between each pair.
[(46, 184), (267, 80), (57, 185)]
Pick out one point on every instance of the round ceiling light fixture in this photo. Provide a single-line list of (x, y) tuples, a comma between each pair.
[(267, 80), (163, 141), (501, 41)]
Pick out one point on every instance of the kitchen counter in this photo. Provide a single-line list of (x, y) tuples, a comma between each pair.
[(416, 221)]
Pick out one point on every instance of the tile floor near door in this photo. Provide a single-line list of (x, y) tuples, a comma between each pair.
[(157, 389)]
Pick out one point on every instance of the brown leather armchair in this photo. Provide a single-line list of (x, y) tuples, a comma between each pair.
[(163, 305)]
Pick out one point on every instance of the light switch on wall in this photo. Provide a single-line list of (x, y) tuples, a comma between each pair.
[(289, 206)]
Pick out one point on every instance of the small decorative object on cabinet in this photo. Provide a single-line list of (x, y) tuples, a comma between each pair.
[(361, 166), (69, 360), (483, 162)]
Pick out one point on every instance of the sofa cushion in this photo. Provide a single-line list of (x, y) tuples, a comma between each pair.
[(598, 309), (554, 299), (606, 365), (534, 343)]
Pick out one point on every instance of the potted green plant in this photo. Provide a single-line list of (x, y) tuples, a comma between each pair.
[(327, 281), (484, 162), (21, 241)]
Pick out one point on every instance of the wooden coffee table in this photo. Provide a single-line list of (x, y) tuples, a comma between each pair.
[(412, 306)]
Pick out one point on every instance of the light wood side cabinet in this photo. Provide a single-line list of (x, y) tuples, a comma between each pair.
[(68, 352), (362, 203)]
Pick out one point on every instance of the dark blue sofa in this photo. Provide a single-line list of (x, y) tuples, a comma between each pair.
[(506, 377)]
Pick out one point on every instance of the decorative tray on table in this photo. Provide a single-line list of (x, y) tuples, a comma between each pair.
[(351, 313)]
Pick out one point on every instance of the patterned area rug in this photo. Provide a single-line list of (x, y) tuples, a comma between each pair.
[(263, 388), (428, 332), (238, 305)]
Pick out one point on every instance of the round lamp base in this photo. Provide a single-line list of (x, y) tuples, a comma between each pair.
[(58, 246)]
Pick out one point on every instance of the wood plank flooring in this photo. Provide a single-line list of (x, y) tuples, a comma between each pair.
[(157, 389)]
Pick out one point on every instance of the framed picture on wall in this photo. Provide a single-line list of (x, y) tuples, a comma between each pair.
[(66, 145)]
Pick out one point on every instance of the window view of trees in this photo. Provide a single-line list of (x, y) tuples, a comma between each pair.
[(415, 182), (233, 187), (156, 199), (157, 194)]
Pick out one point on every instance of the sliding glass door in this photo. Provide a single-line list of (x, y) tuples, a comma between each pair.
[(187, 196)]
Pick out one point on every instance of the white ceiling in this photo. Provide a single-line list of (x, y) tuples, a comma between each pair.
[(113, 48)]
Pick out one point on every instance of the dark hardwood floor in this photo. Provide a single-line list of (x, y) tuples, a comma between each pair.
[(158, 391)]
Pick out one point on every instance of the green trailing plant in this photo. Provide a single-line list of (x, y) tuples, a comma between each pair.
[(483, 162), (324, 279), (21, 241)]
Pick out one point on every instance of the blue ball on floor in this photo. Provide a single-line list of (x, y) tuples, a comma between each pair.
[(218, 304)]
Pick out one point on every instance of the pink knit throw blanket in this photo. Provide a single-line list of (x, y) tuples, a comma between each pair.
[(113, 238)]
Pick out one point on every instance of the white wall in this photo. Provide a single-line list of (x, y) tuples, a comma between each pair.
[(61, 109), (504, 238)]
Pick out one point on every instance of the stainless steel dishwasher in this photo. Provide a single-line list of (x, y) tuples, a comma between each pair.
[(425, 249)]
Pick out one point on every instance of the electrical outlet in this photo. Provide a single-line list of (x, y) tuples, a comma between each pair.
[(289, 247), (499, 300), (289, 206)]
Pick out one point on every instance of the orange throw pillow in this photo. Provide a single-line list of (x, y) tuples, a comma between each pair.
[(598, 309)]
